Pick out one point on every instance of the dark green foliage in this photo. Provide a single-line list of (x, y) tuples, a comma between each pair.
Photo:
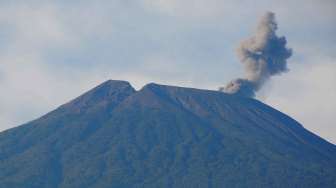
[(163, 136)]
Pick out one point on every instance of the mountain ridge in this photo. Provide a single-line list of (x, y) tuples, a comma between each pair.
[(164, 136)]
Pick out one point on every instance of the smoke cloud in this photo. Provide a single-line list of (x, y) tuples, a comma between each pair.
[(263, 55)]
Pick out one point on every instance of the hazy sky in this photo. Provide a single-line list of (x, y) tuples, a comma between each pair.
[(53, 51)]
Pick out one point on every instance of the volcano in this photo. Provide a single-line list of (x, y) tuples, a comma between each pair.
[(164, 136)]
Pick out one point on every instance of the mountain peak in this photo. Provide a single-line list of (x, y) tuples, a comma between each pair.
[(110, 86), (152, 86), (114, 83), (107, 94)]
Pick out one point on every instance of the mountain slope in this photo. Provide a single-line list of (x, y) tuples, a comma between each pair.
[(164, 136)]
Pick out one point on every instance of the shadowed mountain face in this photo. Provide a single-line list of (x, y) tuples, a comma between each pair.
[(164, 136)]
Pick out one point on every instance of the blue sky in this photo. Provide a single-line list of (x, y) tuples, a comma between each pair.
[(52, 51)]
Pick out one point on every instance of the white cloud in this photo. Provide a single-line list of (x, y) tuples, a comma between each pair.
[(30, 85), (52, 46), (192, 8), (307, 93)]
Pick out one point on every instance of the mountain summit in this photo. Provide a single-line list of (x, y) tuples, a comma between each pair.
[(164, 136)]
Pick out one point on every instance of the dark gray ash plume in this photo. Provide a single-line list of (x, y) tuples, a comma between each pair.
[(263, 55)]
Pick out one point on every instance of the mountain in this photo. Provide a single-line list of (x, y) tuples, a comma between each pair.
[(164, 136)]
